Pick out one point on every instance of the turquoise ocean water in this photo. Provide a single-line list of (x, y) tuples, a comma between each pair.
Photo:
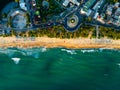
[(59, 69)]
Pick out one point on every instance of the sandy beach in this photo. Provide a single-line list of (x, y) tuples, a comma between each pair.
[(56, 42)]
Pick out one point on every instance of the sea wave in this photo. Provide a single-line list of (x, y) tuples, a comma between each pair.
[(8, 52), (98, 50), (34, 52), (16, 60), (69, 51), (43, 49), (89, 50), (110, 49)]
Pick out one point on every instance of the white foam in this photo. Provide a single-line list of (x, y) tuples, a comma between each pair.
[(43, 49), (69, 51), (88, 51), (29, 53), (101, 49), (8, 52), (36, 55), (16, 60), (118, 65)]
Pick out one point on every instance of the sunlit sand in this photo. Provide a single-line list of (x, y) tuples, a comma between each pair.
[(56, 42)]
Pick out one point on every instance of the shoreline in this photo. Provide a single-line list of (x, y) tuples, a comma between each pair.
[(79, 43)]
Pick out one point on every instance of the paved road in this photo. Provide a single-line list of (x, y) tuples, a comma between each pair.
[(104, 25), (63, 17), (76, 26), (31, 11)]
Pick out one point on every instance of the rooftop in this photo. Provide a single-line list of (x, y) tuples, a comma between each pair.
[(22, 4), (89, 4), (66, 2)]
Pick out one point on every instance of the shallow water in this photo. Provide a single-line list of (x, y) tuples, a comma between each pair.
[(59, 69)]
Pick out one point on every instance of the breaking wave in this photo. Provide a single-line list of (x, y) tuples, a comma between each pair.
[(89, 50), (37, 52), (43, 49), (98, 50), (34, 52), (69, 51), (16, 60)]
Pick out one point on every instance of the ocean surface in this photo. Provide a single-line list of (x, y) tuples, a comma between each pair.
[(59, 69)]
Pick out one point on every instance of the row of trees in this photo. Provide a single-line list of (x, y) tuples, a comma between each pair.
[(55, 31), (113, 1), (109, 33), (60, 32)]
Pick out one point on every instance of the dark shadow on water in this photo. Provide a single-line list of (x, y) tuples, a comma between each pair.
[(46, 70)]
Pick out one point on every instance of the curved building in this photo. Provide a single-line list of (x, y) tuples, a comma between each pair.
[(17, 18)]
